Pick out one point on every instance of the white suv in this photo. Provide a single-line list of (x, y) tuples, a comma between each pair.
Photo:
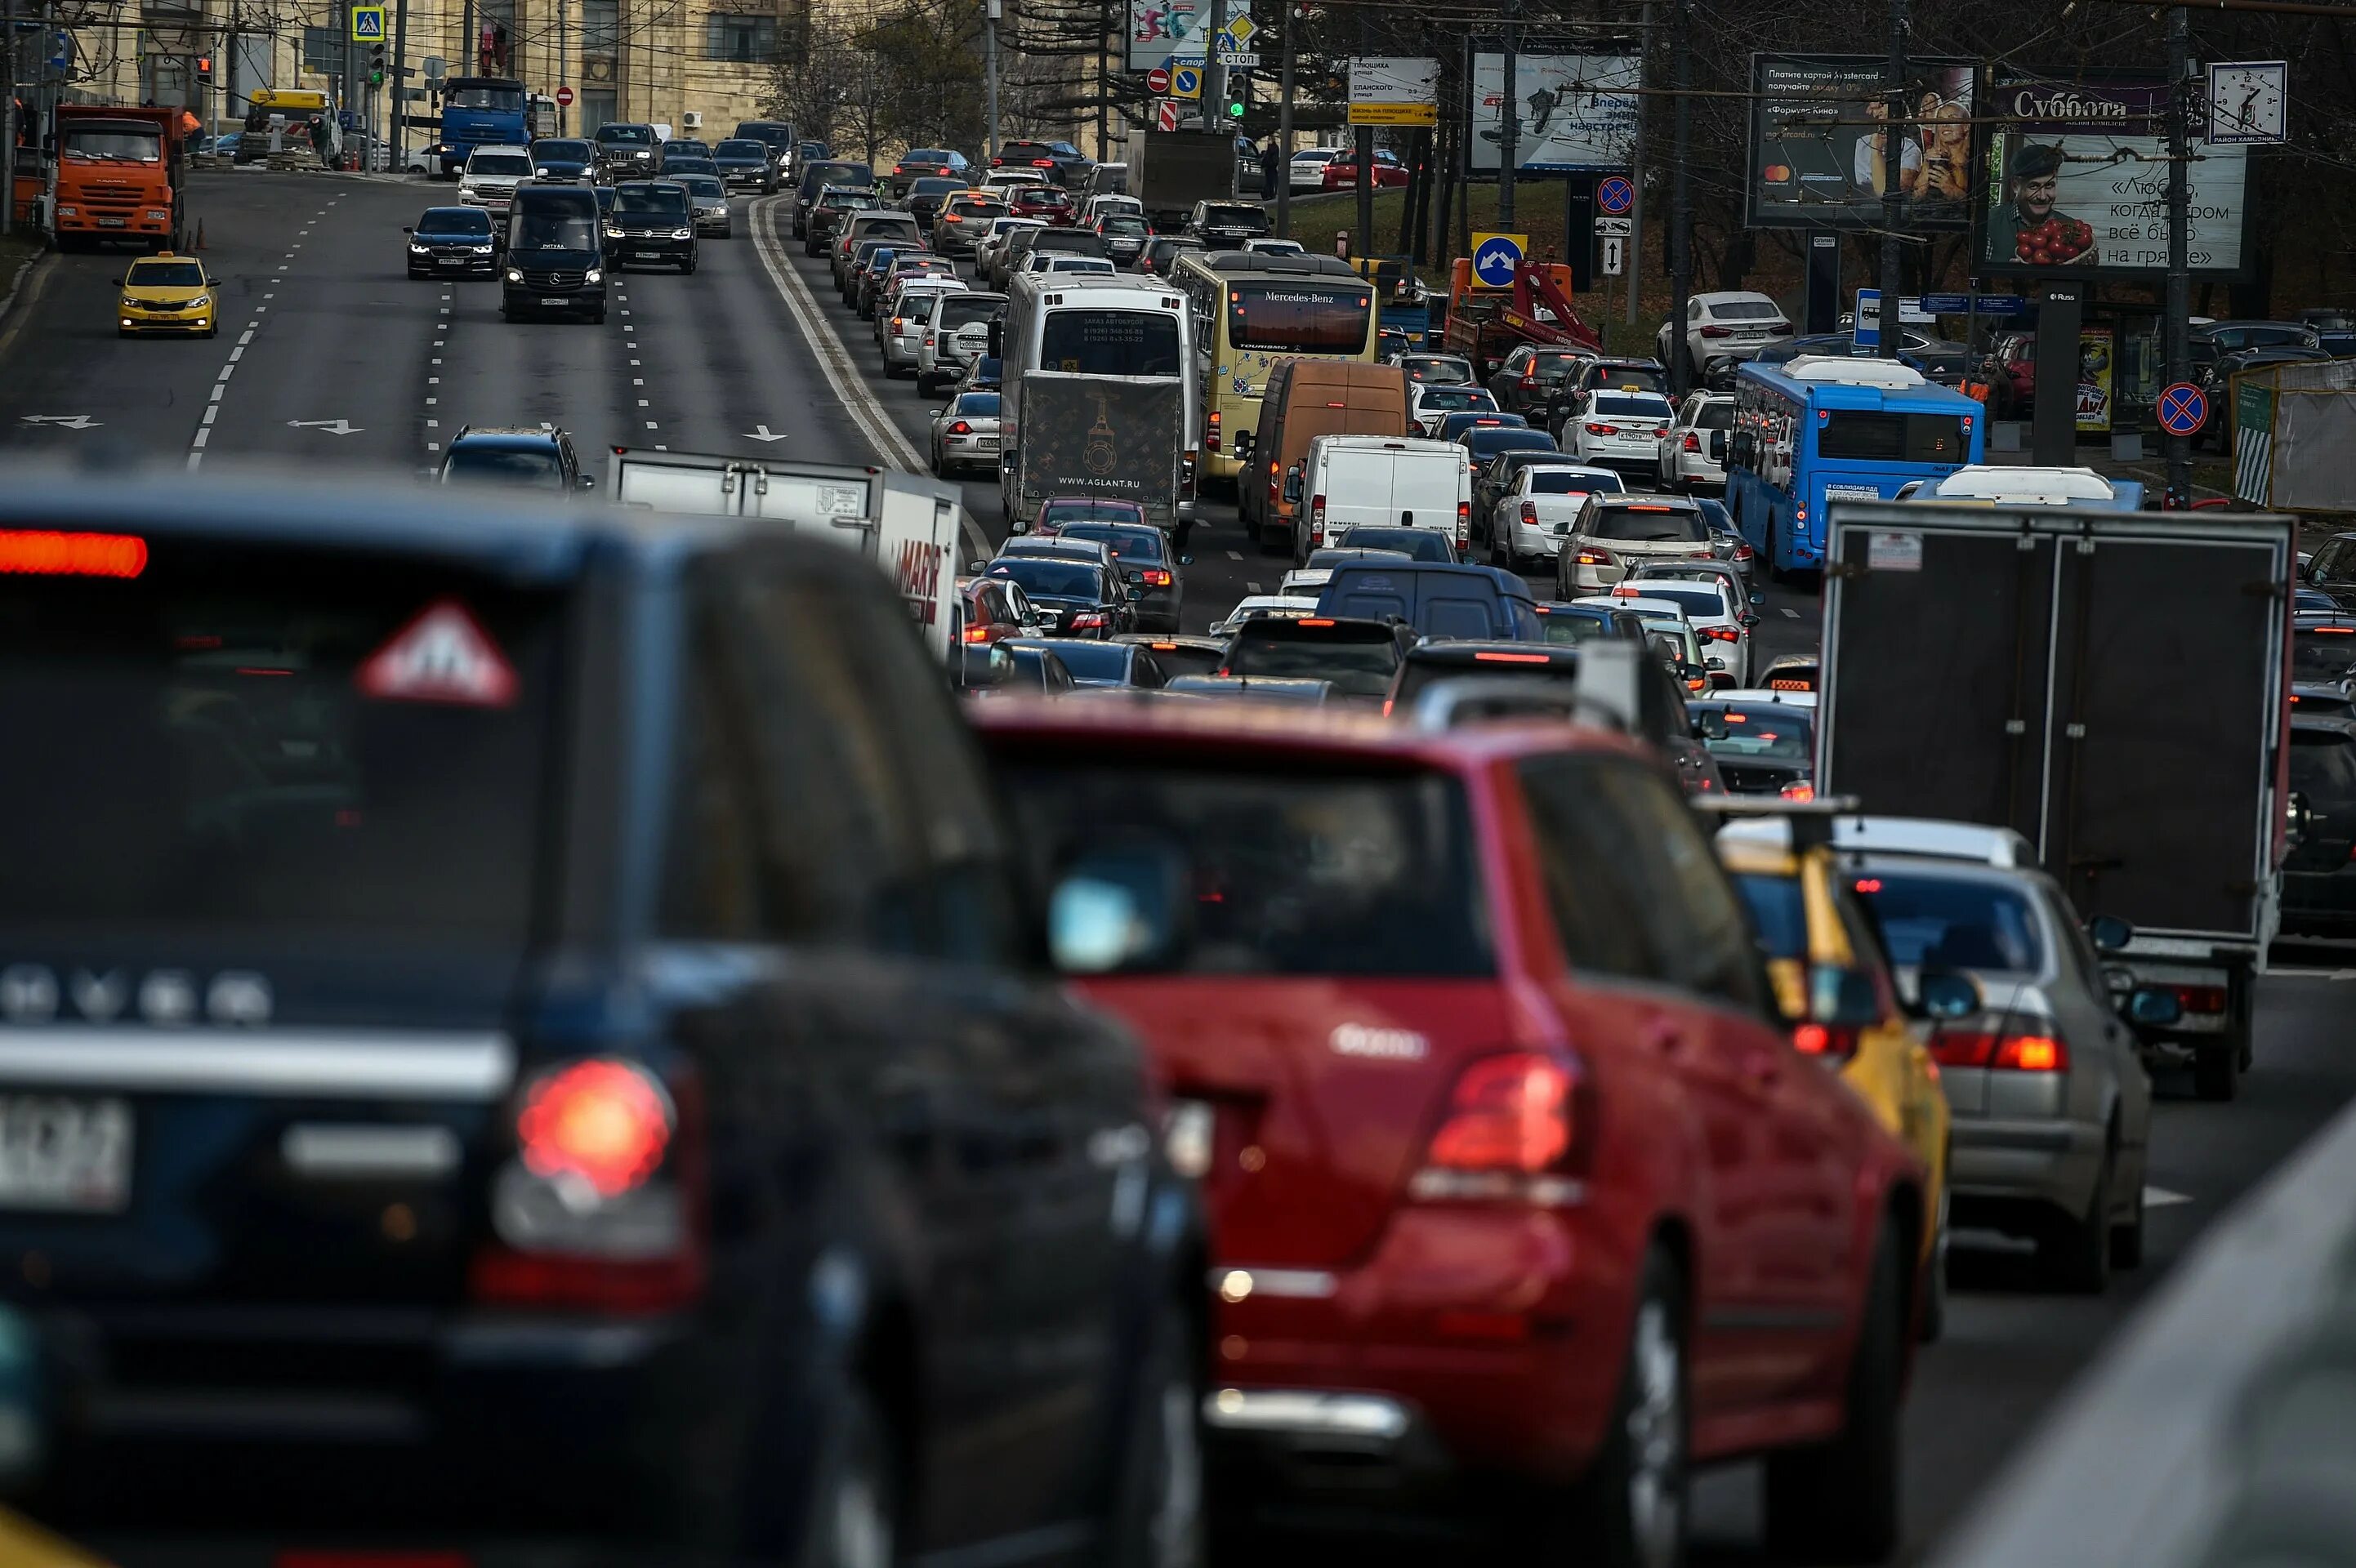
[(1725, 328), (1693, 451), (491, 176)]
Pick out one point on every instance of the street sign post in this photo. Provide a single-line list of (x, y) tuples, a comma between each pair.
[(1495, 257), (1613, 235)]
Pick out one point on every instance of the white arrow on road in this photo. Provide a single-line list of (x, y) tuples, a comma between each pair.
[(71, 421), (333, 427), (761, 433)]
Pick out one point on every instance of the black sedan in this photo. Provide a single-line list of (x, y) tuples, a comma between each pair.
[(1060, 162), (925, 195), (454, 242), (745, 163), (1147, 563), (562, 160), (1074, 598)]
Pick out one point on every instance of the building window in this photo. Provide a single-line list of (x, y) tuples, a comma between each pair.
[(741, 37), (600, 27)]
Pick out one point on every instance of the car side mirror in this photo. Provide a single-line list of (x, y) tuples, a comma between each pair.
[(1843, 998), (2152, 1008), (976, 568), (1185, 561), (1943, 995), (985, 667), (1748, 618), (2109, 934), (1115, 910)]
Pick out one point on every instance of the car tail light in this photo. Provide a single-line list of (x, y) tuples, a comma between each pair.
[(1798, 790), (1087, 623), (1317, 519), (1742, 552), (960, 428), (1529, 514), (1589, 556), (1720, 633), (1718, 331), (1043, 163), (2208, 999), (1594, 429), (1518, 1127), (1211, 437), (977, 633), (1156, 577), (1693, 442), (598, 1205), (899, 324), (1824, 1040), (1463, 521), (1779, 329), (897, 168), (2006, 1052)]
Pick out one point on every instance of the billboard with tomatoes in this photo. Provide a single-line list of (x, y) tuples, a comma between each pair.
[(1820, 156), (2076, 179)]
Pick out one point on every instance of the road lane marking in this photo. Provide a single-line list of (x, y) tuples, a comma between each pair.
[(217, 391), (202, 436), (225, 373), (211, 410), (1791, 612), (1252, 587), (1235, 555), (237, 354), (650, 424), (2161, 1198)]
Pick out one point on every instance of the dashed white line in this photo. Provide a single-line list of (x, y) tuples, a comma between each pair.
[(433, 424), (1252, 587), (226, 371), (237, 354), (433, 380), (637, 381), (202, 436), (642, 402), (650, 424), (1235, 555), (431, 402), (217, 391), (1791, 612), (211, 410)]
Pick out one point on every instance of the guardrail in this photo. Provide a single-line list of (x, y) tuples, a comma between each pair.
[(2219, 1430)]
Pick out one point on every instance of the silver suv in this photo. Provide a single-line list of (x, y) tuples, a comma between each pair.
[(491, 176)]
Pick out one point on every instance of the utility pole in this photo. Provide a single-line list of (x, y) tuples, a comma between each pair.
[(990, 66), (1509, 131), (1681, 364), (1284, 130), (563, 61), (1215, 76), (1893, 183), (2178, 328), (399, 86), (9, 121), (1362, 147), (1103, 75), (1636, 175)]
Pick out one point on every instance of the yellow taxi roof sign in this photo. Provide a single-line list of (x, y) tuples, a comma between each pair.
[(23, 1544)]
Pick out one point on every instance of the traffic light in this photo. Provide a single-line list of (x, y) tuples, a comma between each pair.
[(1236, 110), (376, 64), (205, 69)]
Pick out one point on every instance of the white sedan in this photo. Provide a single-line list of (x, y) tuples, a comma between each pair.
[(1619, 429), (1714, 609), (1428, 403), (1307, 169)]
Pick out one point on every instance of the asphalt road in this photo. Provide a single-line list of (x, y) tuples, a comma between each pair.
[(327, 354)]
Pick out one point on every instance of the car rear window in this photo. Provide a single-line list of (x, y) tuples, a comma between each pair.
[(2322, 653), (1129, 543), (1744, 310), (1699, 603), (1421, 675), (1953, 922), (1358, 660), (2323, 768), (1632, 407), (1416, 544), (1778, 912), (1645, 523), (1295, 870), (1567, 626), (1774, 735), (256, 742), (1570, 481)]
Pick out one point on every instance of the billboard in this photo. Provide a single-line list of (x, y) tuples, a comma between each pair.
[(1161, 31), (1394, 91), (1818, 157), (2077, 178), (1577, 111)]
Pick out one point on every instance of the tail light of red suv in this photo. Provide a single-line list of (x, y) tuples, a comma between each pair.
[(1518, 1126), (598, 1205)]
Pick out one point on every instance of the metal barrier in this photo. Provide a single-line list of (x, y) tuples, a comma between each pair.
[(2219, 1430)]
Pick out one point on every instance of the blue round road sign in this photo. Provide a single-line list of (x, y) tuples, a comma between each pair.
[(2182, 409), (1494, 261), (1615, 194)]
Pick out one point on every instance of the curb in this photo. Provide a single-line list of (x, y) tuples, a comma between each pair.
[(16, 283)]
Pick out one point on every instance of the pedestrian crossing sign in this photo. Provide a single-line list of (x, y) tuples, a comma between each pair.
[(367, 24)]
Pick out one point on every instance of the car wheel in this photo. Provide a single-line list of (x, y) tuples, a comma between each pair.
[(2074, 1254), (854, 1499), (1630, 1510), (2127, 1240), (1837, 1501), (1933, 1320), (1158, 1519)]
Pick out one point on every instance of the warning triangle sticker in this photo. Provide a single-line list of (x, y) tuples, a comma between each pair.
[(443, 656)]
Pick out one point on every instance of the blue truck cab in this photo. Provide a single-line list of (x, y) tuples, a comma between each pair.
[(1822, 429), (1438, 600), (480, 111)]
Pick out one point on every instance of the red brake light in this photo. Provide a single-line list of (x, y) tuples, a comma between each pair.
[(48, 552), (977, 633), (602, 1122), (2206, 998), (1156, 577), (960, 428), (1315, 621), (1594, 429), (1693, 442), (1043, 163), (2005, 1052), (1513, 1114), (1824, 1040), (1530, 514), (1718, 331), (1492, 658), (1799, 792)]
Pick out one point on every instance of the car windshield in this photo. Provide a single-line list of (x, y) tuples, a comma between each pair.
[(1359, 663), (1699, 603), (2322, 653), (1416, 544), (554, 231), (1953, 922), (1129, 543), (1044, 577), (742, 149), (625, 135), (467, 220), (1633, 408), (499, 164), (533, 467), (113, 144), (1292, 871), (1757, 731), (654, 201), (561, 152), (981, 405), (507, 99), (1642, 523), (209, 741), (705, 186), (167, 274), (1571, 481)]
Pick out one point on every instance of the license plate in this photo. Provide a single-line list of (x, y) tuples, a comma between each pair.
[(67, 1155), (113, 222), (647, 256), (544, 300)]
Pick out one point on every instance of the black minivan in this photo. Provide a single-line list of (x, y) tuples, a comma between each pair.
[(555, 263), (652, 225)]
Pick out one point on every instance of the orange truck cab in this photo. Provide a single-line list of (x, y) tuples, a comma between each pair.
[(120, 175)]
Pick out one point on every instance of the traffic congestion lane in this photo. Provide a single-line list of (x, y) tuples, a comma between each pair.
[(69, 386)]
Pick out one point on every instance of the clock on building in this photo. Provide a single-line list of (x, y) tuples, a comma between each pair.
[(2247, 100)]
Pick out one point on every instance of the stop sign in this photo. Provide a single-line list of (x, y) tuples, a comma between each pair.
[(1157, 81), (564, 98)]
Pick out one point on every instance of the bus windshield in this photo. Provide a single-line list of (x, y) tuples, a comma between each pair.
[(1298, 318), (1109, 343), (1861, 436), (507, 99)]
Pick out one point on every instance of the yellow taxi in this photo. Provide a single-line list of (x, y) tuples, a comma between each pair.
[(1831, 977), (165, 292)]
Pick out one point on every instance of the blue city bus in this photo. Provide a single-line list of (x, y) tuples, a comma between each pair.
[(1813, 430), (479, 111)]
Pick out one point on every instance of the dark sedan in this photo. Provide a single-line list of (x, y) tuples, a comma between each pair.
[(562, 159), (928, 163), (1147, 563), (747, 164), (1059, 161), (454, 242), (651, 225), (1073, 598), (926, 194)]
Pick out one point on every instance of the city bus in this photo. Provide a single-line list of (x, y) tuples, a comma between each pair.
[(1097, 396), (1252, 310), (1827, 428)]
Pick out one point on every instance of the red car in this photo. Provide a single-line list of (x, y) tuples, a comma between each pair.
[(1518, 1187), (1051, 204), (1341, 173), (1057, 510)]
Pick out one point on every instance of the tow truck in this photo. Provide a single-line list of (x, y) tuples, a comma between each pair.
[(1485, 323)]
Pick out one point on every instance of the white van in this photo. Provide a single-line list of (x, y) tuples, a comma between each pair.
[(1349, 481)]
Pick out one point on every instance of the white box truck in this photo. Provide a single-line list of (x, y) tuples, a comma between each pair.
[(909, 524)]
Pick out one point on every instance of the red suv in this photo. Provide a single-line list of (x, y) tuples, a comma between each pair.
[(1514, 1173), (1051, 205)]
